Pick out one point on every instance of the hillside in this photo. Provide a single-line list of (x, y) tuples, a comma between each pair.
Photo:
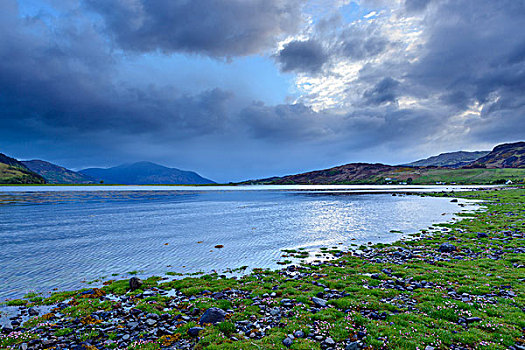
[(55, 174), (508, 155), (145, 173), (361, 173), (14, 172), (349, 173), (450, 160)]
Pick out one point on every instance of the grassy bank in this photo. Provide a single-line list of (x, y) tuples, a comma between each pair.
[(418, 294)]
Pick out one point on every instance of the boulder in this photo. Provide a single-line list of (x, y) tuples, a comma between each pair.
[(194, 331), (213, 315), (447, 248), (287, 342), (135, 283)]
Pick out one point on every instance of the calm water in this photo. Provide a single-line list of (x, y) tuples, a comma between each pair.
[(58, 237)]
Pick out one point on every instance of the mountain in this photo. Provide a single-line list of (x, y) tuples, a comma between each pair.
[(507, 155), (55, 174), (14, 172), (450, 160), (145, 173)]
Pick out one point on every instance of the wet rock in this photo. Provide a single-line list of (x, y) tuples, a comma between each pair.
[(92, 293), (299, 334), (194, 331), (135, 283), (213, 315), (482, 235), (32, 311)]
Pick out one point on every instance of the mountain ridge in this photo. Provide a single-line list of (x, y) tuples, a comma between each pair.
[(56, 174), (456, 159), (506, 155), (145, 173)]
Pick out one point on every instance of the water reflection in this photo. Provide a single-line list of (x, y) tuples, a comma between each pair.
[(61, 238)]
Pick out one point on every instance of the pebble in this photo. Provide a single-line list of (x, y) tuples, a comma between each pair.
[(287, 342)]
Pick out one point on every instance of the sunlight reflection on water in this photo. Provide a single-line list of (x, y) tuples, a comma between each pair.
[(60, 238)]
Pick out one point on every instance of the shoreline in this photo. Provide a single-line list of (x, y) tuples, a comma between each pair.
[(383, 298)]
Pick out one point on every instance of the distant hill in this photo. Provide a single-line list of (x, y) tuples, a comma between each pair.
[(55, 174), (450, 160), (507, 155), (363, 173), (505, 162), (145, 173), (14, 172), (348, 173)]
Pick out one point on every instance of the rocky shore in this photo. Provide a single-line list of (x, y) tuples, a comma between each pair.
[(460, 286)]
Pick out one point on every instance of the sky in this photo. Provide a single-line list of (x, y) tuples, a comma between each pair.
[(246, 89)]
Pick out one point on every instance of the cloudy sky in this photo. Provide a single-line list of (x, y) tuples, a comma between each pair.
[(238, 89)]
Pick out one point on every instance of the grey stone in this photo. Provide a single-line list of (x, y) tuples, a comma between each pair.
[(473, 319), (287, 342), (319, 302), (299, 334), (213, 315), (194, 331), (447, 248), (151, 322), (352, 346), (329, 341)]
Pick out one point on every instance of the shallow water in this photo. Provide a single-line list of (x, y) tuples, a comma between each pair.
[(58, 237)]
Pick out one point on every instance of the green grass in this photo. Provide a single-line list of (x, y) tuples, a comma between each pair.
[(470, 176)]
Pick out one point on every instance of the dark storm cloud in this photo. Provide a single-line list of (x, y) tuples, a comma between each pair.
[(287, 122), (359, 43), (218, 28), (61, 94), (382, 92), (329, 43), (302, 56), (62, 79), (474, 54), (364, 128)]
